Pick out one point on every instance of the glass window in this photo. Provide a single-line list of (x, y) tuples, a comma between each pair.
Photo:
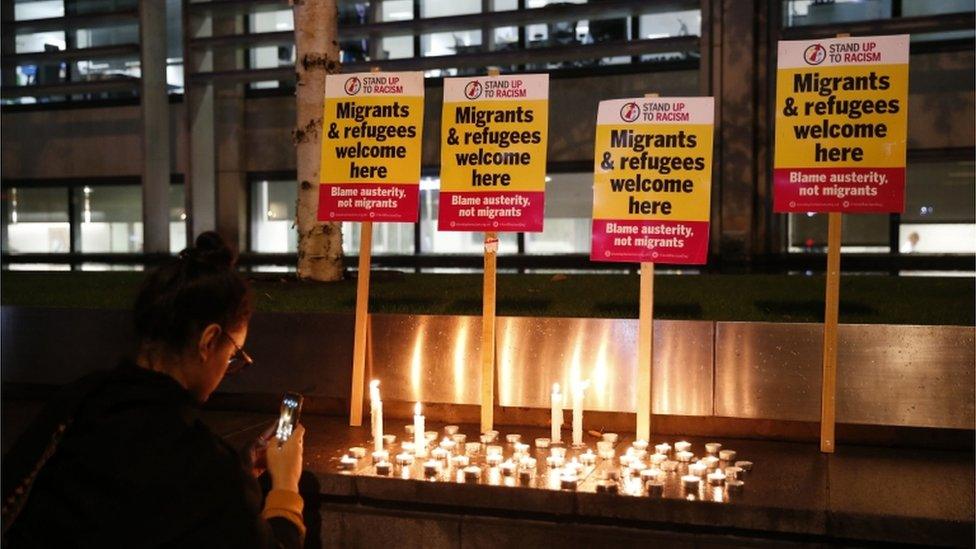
[(452, 242), (450, 43), (38, 9), (388, 238), (569, 205), (36, 220), (797, 13), (273, 216), (396, 47), (861, 233), (177, 218), (110, 218), (939, 208)]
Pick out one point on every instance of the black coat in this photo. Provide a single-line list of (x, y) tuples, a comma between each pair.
[(135, 467)]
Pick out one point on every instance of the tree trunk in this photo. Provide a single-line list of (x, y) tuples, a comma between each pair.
[(316, 54)]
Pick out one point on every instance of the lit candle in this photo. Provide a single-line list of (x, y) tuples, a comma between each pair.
[(430, 468), (376, 414), (716, 478), (746, 466), (460, 462), (713, 447), (663, 448), (682, 446), (588, 458), (727, 455), (579, 389), (710, 461), (697, 469), (383, 468), (690, 481), (381, 456), (419, 437), (684, 457), (357, 452), (557, 414)]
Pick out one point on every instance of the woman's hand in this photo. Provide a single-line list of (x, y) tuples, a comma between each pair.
[(285, 461)]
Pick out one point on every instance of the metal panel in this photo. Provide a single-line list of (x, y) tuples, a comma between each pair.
[(768, 370), (425, 357), (918, 376), (435, 359)]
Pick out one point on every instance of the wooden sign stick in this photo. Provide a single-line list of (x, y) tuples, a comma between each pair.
[(645, 348), (362, 315), (488, 325), (828, 398)]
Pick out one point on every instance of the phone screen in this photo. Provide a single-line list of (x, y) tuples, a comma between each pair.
[(291, 408)]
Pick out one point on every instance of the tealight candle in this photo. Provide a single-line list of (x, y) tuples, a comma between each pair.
[(669, 466), (568, 481), (376, 414), (451, 430), (649, 474), (606, 486), (408, 429), (611, 437), (607, 454), (573, 467), (640, 444), (384, 468), (493, 434), (588, 458), (683, 456), (407, 447), (357, 452), (555, 461), (448, 444), (527, 463), (711, 462), (487, 439), (734, 486), (512, 438), (389, 439), (682, 446), (625, 460), (556, 414), (558, 451), (604, 446), (727, 455), (654, 487), (493, 459), (430, 468), (635, 468), (472, 473), (431, 436), (521, 448), (404, 459), (459, 438), (347, 462), (636, 454), (460, 462), (657, 459), (713, 447), (733, 472), (381, 455), (663, 448), (716, 478), (508, 468), (746, 466), (472, 448), (419, 438), (440, 454), (690, 481), (542, 443), (493, 450), (697, 469)]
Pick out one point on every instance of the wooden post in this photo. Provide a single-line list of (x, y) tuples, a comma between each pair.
[(362, 315), (645, 348), (488, 325), (829, 395)]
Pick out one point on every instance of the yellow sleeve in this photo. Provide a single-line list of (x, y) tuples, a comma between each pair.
[(285, 504)]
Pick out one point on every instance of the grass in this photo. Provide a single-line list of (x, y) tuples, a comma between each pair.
[(778, 298)]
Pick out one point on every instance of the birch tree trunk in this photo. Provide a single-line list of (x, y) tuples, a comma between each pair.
[(316, 54)]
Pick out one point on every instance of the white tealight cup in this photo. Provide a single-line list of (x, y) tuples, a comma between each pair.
[(431, 436), (663, 448), (711, 462), (459, 438), (716, 478), (389, 439), (404, 459), (513, 438), (542, 442), (713, 447), (690, 481), (657, 459), (381, 456), (727, 455), (669, 466), (746, 466), (460, 462), (558, 451), (697, 469), (472, 448), (684, 456), (640, 444), (357, 452), (493, 460), (733, 472), (682, 446), (611, 438), (555, 461), (451, 430), (472, 474)]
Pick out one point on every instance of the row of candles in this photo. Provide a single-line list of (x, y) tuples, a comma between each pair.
[(556, 403)]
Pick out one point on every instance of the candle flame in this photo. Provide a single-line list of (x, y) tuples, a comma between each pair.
[(416, 409)]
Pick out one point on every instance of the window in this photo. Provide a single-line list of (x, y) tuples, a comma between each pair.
[(569, 206), (797, 13), (110, 218), (36, 220), (273, 216), (451, 242), (939, 214)]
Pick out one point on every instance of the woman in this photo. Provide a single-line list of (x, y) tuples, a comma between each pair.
[(121, 459)]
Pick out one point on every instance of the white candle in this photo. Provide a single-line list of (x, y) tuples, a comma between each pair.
[(376, 414), (579, 389), (557, 413), (419, 438)]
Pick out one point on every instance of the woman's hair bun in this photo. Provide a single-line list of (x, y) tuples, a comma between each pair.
[(211, 248)]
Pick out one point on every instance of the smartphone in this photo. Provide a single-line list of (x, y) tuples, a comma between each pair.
[(291, 411)]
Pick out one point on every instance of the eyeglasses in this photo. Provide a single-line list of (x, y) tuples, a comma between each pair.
[(239, 360)]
